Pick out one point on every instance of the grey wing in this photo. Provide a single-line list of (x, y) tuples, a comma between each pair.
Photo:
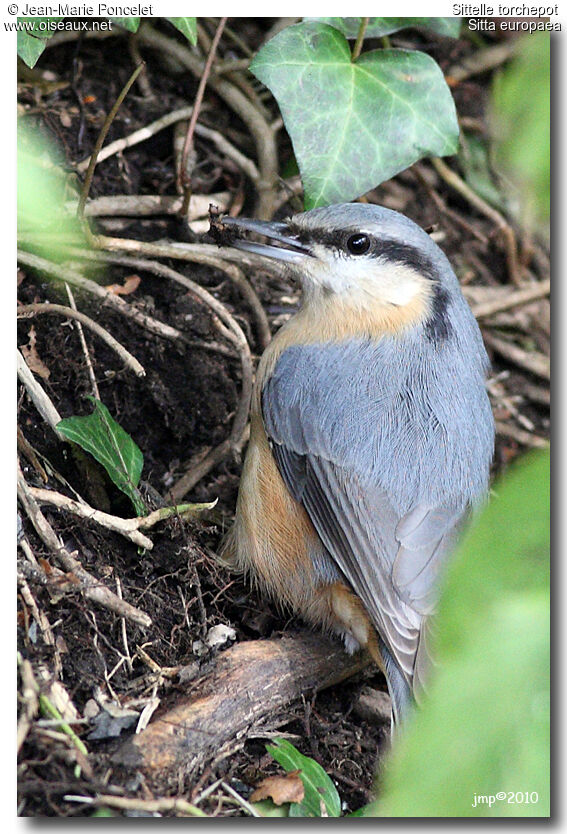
[(351, 448), (392, 564)]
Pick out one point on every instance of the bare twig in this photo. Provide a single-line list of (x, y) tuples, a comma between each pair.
[(127, 527), (86, 354), (233, 332), (143, 80), (454, 180), (481, 61), (537, 393), (525, 438), (100, 139), (30, 692), (533, 361), (241, 801), (41, 620), (204, 254), (245, 164), (503, 399), (25, 447), (91, 587), (38, 395), (184, 177), (113, 301), (264, 136), (130, 361), (150, 806), (513, 299), (147, 205)]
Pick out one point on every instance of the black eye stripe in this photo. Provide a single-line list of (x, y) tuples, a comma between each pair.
[(389, 249)]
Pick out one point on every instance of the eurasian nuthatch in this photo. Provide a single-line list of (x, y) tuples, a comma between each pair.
[(371, 433)]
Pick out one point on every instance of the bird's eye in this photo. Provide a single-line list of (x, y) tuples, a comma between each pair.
[(358, 244)]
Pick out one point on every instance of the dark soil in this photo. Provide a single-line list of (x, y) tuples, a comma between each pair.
[(181, 408)]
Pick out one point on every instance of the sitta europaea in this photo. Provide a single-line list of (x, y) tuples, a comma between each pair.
[(371, 434)]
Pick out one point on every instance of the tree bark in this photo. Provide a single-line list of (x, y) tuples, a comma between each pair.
[(249, 682)]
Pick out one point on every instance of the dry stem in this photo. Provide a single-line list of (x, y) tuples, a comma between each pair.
[(93, 589), (130, 361)]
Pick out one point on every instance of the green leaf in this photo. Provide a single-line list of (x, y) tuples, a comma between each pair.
[(30, 48), (479, 744), (267, 808), (318, 785), (32, 41), (475, 163), (354, 125), (520, 116), (378, 27), (101, 436), (187, 26), (43, 188), (130, 23)]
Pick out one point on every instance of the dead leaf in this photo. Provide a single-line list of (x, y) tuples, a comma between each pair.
[(288, 788), (31, 356), (65, 119), (130, 285)]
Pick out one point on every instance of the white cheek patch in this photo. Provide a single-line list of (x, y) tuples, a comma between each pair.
[(366, 280)]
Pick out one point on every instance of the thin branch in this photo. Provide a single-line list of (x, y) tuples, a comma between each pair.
[(230, 329), (525, 438), (532, 361), (195, 253), (184, 177), (454, 180), (101, 137), (245, 164), (26, 310), (148, 205), (264, 136), (514, 299), (93, 589), (150, 806), (127, 527), (83, 341), (481, 61), (30, 692), (38, 396), (241, 801), (233, 332), (111, 300)]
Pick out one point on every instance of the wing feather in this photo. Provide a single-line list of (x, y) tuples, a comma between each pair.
[(365, 448)]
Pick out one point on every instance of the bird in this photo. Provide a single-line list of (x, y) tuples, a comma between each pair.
[(371, 435)]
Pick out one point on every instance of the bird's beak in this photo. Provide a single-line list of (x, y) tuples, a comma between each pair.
[(286, 247)]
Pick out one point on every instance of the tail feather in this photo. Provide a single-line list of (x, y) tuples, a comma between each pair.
[(398, 687)]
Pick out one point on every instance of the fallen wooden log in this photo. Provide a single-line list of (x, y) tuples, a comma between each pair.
[(248, 683)]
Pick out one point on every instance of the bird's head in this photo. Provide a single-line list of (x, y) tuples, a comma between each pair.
[(362, 257)]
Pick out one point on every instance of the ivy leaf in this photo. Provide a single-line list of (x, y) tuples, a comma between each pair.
[(317, 784), (355, 124), (101, 436), (32, 41), (378, 27), (187, 26), (130, 23)]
